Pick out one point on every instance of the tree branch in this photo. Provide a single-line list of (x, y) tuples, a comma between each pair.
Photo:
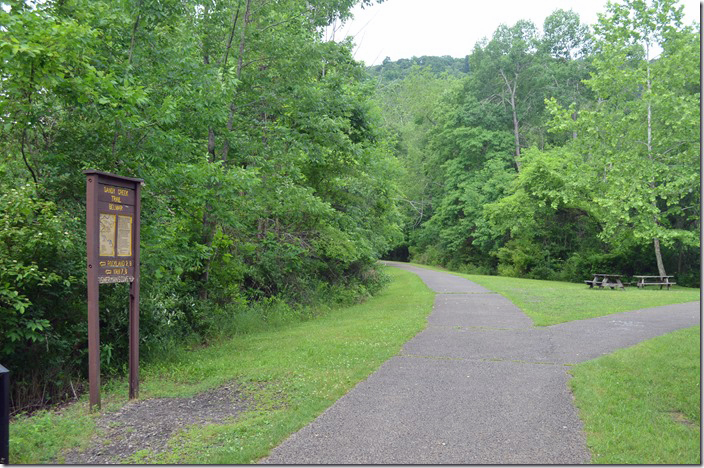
[(24, 156), (232, 35)]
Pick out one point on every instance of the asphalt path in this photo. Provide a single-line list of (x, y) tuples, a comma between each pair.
[(480, 385)]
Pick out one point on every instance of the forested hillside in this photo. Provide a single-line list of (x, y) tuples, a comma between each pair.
[(400, 69), (565, 149), (278, 169)]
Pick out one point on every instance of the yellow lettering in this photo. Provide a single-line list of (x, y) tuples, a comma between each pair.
[(109, 189), (116, 271), (123, 192), (115, 199), (114, 207)]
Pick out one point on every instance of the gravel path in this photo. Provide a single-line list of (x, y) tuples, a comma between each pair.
[(480, 385), (149, 424)]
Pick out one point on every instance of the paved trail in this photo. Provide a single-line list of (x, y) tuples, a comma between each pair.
[(479, 385)]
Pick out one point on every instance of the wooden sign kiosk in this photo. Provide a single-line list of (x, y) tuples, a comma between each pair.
[(112, 238)]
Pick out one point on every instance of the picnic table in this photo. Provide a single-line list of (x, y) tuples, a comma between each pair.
[(604, 279), (661, 281)]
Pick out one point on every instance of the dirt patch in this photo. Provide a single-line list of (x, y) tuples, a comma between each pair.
[(679, 417), (149, 424)]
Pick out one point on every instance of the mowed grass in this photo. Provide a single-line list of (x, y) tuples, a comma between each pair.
[(642, 405), (551, 302), (292, 374)]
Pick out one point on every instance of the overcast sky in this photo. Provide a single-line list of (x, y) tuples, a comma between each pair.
[(404, 28)]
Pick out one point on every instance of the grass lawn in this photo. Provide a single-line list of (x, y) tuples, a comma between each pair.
[(642, 405), (294, 372), (551, 302)]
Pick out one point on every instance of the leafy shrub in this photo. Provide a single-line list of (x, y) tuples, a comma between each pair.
[(429, 255), (39, 282)]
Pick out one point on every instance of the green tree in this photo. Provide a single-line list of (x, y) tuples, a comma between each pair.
[(509, 71), (409, 109), (467, 164), (640, 141), (566, 49), (266, 176)]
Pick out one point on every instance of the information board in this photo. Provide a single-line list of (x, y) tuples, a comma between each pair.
[(112, 242), (116, 210)]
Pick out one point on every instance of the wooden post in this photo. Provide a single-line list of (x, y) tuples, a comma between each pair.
[(134, 303), (93, 290)]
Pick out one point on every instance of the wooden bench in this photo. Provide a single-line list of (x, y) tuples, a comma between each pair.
[(602, 279), (661, 281)]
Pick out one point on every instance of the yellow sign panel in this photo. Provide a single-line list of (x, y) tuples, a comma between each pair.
[(124, 236), (107, 235)]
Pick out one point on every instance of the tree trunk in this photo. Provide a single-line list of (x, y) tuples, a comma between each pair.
[(232, 36), (134, 35), (575, 113), (516, 135), (649, 85), (512, 103), (211, 144), (206, 239), (658, 257), (240, 58)]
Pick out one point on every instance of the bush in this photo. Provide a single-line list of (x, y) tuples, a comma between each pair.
[(40, 281), (430, 255)]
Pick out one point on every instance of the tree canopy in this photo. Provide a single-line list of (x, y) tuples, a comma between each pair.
[(266, 174), (561, 151)]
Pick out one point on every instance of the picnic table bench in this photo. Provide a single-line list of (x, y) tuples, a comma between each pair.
[(661, 281), (604, 279)]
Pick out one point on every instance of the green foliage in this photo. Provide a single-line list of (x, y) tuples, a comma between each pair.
[(638, 143), (401, 69), (40, 277), (266, 177), (544, 217), (410, 111), (30, 235), (642, 405), (559, 152)]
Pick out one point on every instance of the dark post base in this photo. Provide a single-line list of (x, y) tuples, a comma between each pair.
[(4, 416)]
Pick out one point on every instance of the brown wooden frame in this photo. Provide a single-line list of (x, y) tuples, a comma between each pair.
[(110, 194)]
